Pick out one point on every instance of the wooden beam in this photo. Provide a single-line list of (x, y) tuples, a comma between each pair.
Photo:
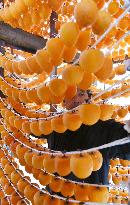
[(20, 39)]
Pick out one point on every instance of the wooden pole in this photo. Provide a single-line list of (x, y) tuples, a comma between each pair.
[(20, 39)]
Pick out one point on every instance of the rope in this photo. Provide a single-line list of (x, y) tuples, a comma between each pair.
[(59, 197), (59, 153)]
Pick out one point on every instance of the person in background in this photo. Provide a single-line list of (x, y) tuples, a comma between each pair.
[(86, 137)]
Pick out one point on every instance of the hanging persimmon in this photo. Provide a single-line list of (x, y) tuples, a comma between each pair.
[(34, 127), (71, 91), (72, 121), (57, 86), (84, 39), (15, 176), (29, 192), (72, 74), (106, 69), (59, 161), (49, 164), (37, 161), (106, 112), (8, 189), (69, 53), (89, 113), (57, 124), (81, 165), (45, 127), (85, 13), (39, 198), (91, 60), (81, 193), (14, 198), (86, 81), (97, 160), (103, 21), (98, 194), (56, 184), (44, 178), (28, 157), (69, 33)]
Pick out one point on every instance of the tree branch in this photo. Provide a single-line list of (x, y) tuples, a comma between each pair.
[(20, 39)]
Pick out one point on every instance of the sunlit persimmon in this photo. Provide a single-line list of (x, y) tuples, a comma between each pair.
[(106, 69), (39, 198), (81, 165), (29, 192), (22, 96), (13, 146), (98, 194), (120, 70), (8, 169), (59, 161), (116, 199), (43, 93), (4, 201), (86, 81), (21, 202), (116, 179), (124, 200), (34, 127), (113, 7), (32, 96), (56, 99), (49, 164), (45, 127), (18, 123), (89, 113), (69, 33), (115, 162), (81, 193), (57, 87), (70, 92), (8, 189), (28, 157), (103, 21), (22, 183), (97, 160), (125, 163), (106, 112), (15, 176), (122, 112), (26, 127), (84, 40), (91, 60), (85, 13), (14, 198), (72, 121), (67, 189), (4, 161), (1, 173), (37, 161), (57, 124), (69, 53), (1, 153), (3, 181), (56, 184), (55, 45), (44, 178), (35, 173), (72, 74), (44, 60)]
